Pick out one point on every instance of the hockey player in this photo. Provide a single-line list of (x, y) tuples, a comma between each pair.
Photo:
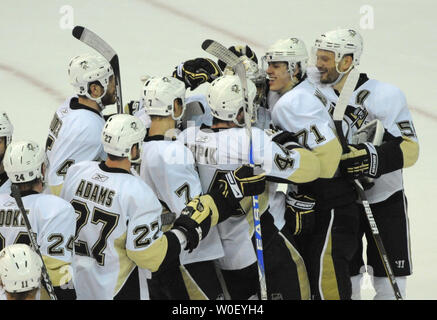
[(285, 63), (51, 218), (257, 75), (224, 147), (337, 52), (330, 211), (20, 272), (6, 131), (119, 218), (168, 167), (74, 133)]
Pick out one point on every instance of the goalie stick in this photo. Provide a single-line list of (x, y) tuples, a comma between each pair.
[(45, 276), (345, 95), (221, 52), (94, 41)]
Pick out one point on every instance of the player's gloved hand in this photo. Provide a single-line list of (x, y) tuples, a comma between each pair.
[(197, 71), (286, 139), (131, 107), (222, 200), (299, 213), (362, 160)]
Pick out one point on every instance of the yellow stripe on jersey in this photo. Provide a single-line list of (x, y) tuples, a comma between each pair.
[(58, 271), (152, 257), (193, 289), (328, 281), (126, 264), (309, 167), (56, 190), (304, 282), (410, 151), (329, 156)]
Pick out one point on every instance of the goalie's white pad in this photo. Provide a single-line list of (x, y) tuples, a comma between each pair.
[(372, 132)]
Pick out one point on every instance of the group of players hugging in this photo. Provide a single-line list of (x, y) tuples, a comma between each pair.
[(161, 201)]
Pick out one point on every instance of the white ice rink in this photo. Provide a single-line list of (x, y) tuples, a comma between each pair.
[(153, 36)]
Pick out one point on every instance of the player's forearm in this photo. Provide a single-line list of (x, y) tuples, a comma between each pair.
[(329, 156), (162, 252), (309, 167)]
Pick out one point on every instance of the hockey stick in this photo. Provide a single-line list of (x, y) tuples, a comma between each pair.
[(221, 52), (45, 276), (94, 41), (346, 93)]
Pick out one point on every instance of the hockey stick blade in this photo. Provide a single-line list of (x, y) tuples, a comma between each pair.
[(94, 41), (45, 276), (220, 51)]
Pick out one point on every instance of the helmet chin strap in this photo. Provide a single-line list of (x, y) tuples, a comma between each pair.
[(341, 74), (98, 100)]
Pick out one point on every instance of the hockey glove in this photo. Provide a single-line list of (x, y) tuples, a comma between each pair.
[(299, 213), (196, 219), (228, 188), (286, 139), (362, 160), (197, 71)]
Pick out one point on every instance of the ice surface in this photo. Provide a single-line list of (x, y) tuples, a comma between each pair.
[(153, 36)]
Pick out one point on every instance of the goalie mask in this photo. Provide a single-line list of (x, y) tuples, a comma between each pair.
[(120, 133), (341, 42), (20, 268), (225, 98), (159, 95), (291, 50), (23, 161), (88, 68)]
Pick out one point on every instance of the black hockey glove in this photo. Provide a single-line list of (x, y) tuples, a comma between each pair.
[(197, 71), (131, 107), (299, 213), (222, 200)]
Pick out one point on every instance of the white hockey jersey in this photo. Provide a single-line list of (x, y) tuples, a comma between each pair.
[(54, 222), (217, 151), (74, 136), (371, 100), (168, 168), (117, 213)]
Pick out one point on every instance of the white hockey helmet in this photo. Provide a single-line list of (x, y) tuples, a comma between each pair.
[(120, 133), (23, 161), (87, 68), (341, 42), (20, 268), (159, 94), (6, 127), (290, 50), (225, 97)]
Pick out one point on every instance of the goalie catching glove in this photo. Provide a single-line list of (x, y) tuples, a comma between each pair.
[(204, 212), (299, 213), (197, 71)]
